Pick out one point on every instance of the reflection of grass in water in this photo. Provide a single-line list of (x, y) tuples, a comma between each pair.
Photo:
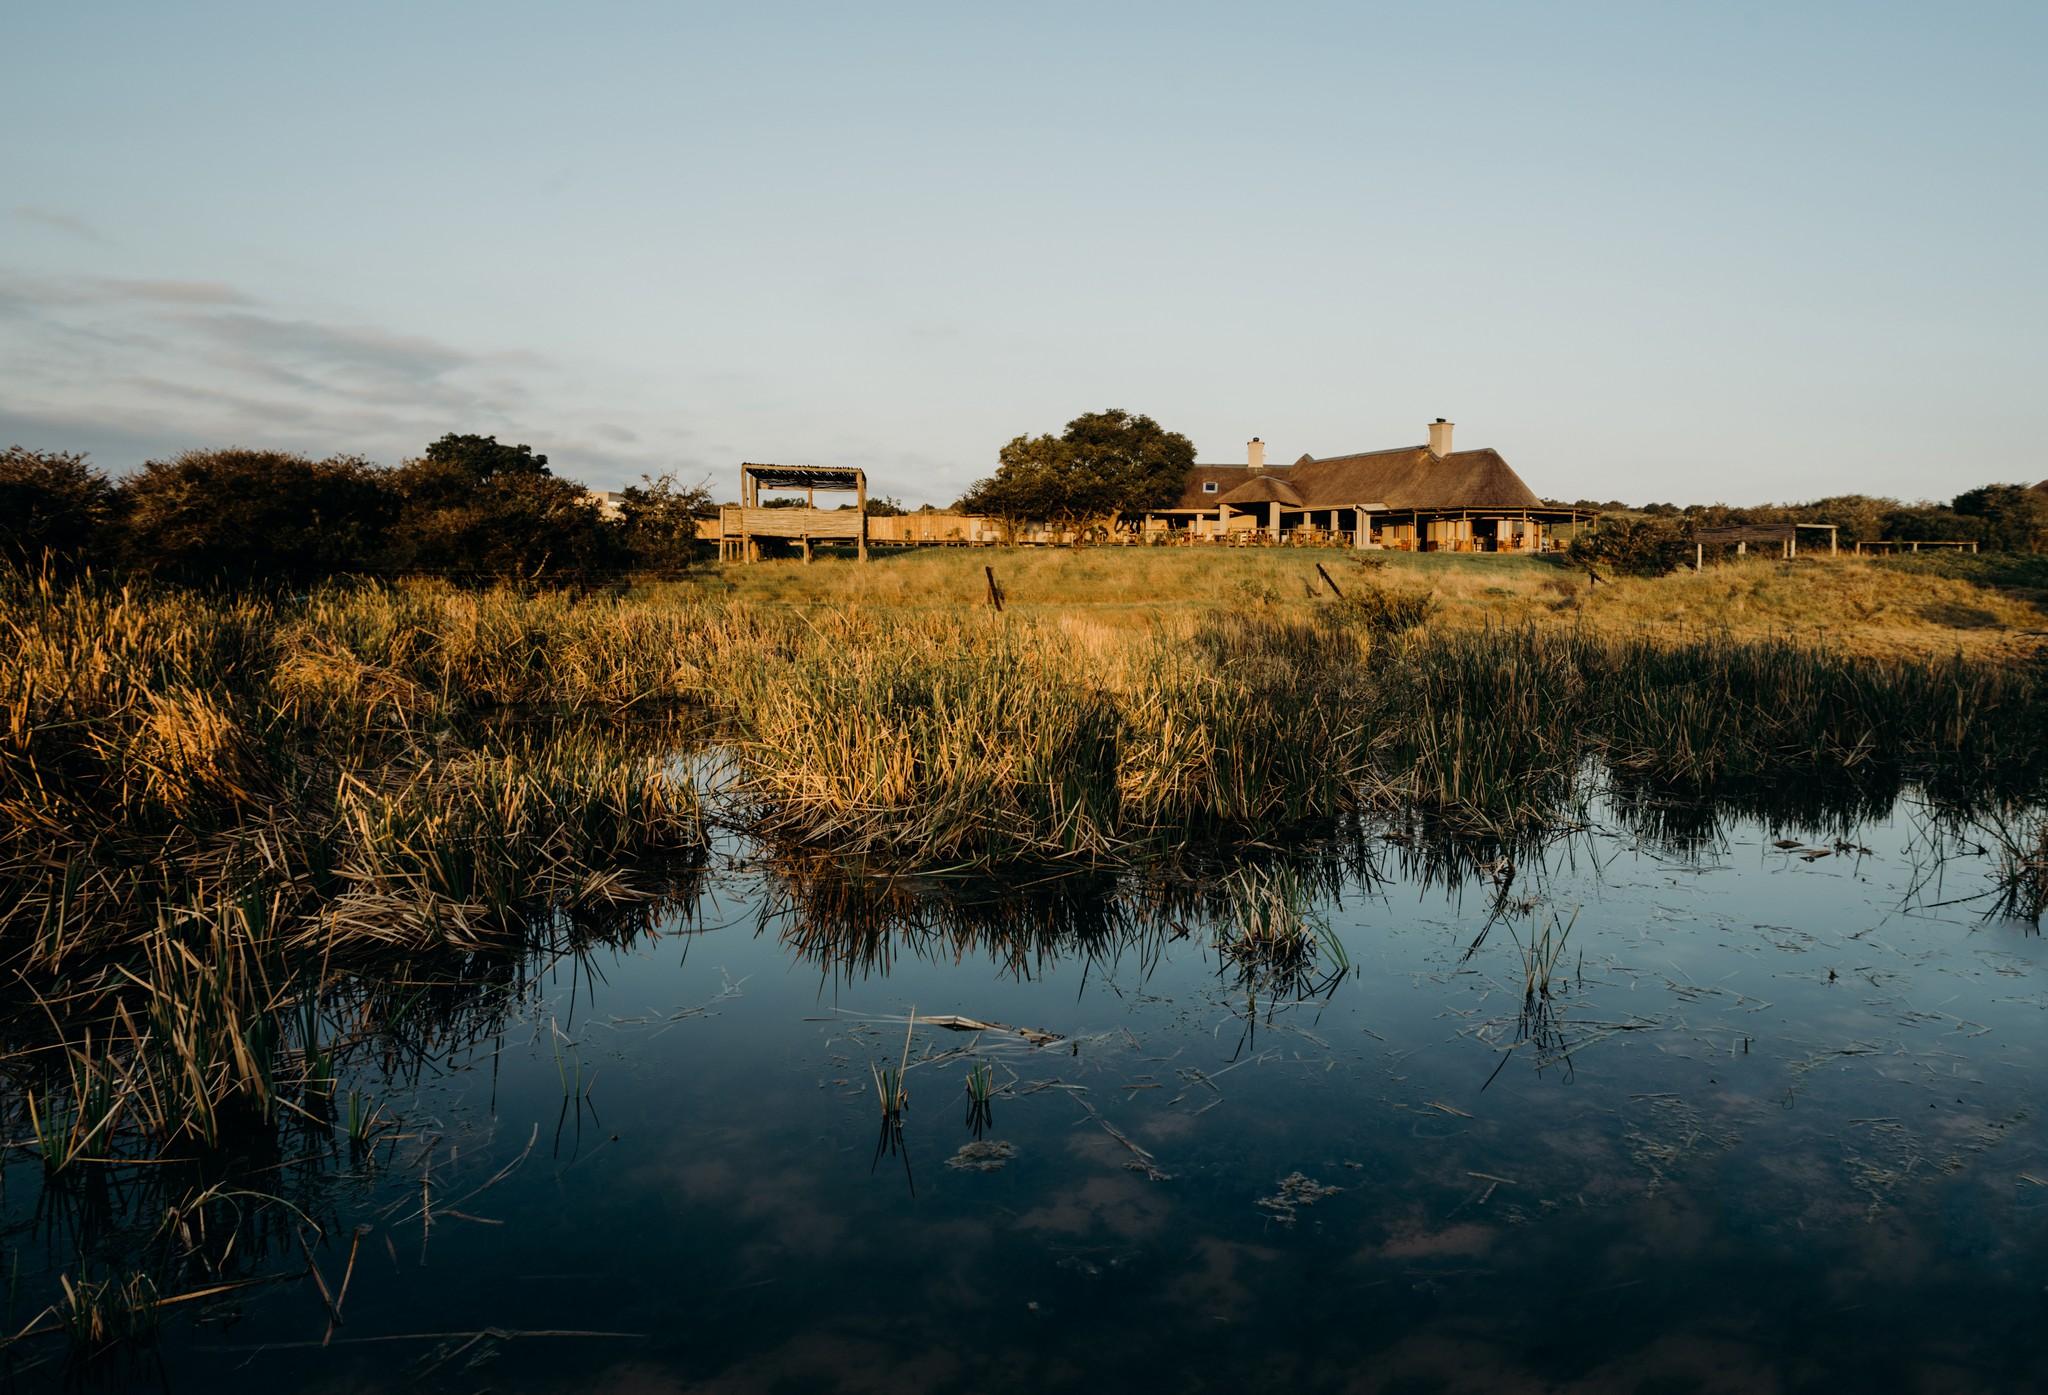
[(193, 1117), (2022, 884), (101, 1314), (209, 805), (1273, 923), (1540, 958), (981, 1092), (892, 1091)]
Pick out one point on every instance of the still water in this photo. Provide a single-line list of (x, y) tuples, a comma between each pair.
[(1776, 1127)]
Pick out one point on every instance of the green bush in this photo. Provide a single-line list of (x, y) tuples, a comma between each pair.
[(255, 516), (1636, 546), (55, 510)]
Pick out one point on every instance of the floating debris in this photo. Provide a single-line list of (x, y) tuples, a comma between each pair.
[(1296, 1191), (982, 1155)]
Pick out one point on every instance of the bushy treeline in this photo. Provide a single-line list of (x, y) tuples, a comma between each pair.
[(1658, 537), (2002, 517), (469, 507)]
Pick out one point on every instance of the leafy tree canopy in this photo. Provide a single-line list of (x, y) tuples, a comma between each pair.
[(1104, 463), (475, 508), (2014, 518), (659, 518)]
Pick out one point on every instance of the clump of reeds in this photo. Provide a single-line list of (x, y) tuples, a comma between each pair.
[(1380, 610), (892, 1090), (972, 742), (1541, 956), (99, 1315), (1271, 925), (981, 1094), (160, 746)]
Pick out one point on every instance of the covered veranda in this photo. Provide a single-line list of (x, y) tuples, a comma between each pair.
[(743, 526)]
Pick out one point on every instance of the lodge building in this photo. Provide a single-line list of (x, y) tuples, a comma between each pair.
[(1426, 498)]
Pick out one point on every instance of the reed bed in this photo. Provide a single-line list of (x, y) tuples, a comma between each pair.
[(194, 786), (223, 819), (983, 741)]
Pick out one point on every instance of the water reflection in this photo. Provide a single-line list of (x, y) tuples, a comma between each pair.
[(1635, 1101)]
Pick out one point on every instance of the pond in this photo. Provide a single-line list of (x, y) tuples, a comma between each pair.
[(1743, 1109)]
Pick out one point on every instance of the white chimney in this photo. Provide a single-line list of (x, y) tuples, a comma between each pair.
[(1440, 437), (1255, 453)]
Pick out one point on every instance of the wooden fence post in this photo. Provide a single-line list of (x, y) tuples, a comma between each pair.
[(995, 592)]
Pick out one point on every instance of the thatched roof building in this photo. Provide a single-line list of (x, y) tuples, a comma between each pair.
[(1419, 497)]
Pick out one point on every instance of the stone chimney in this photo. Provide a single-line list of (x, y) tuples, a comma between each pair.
[(1440, 437), (1255, 453)]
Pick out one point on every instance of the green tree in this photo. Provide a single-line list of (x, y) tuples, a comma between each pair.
[(474, 508), (1637, 546), (2013, 517), (1104, 464), (54, 509), (254, 516), (659, 520)]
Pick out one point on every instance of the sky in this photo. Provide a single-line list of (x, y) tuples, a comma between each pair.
[(1704, 252)]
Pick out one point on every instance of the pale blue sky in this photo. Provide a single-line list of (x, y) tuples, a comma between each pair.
[(1692, 252)]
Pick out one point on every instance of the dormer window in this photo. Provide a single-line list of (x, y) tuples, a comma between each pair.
[(1208, 486)]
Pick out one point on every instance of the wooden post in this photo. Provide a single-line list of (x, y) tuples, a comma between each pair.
[(806, 541), (1327, 582), (995, 592), (860, 494), (1699, 557), (749, 491)]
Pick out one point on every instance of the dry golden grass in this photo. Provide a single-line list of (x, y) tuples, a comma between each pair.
[(1873, 607)]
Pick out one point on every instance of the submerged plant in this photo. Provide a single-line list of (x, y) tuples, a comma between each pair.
[(362, 1120), (981, 1092), (1540, 958), (98, 1315), (891, 1091), (1271, 920)]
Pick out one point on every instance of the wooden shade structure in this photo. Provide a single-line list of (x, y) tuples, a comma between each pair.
[(742, 525)]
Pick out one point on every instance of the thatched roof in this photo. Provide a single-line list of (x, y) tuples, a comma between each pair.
[(802, 476), (1263, 488), (1407, 477), (2042, 487)]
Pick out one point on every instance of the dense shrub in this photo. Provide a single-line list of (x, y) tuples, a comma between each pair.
[(659, 520), (255, 516), (54, 509), (2013, 518), (1636, 546), (474, 508)]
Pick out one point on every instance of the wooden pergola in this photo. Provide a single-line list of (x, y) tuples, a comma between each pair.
[(742, 525), (1782, 536)]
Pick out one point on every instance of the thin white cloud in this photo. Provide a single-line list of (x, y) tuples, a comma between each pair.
[(58, 221), (132, 368), (173, 292)]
